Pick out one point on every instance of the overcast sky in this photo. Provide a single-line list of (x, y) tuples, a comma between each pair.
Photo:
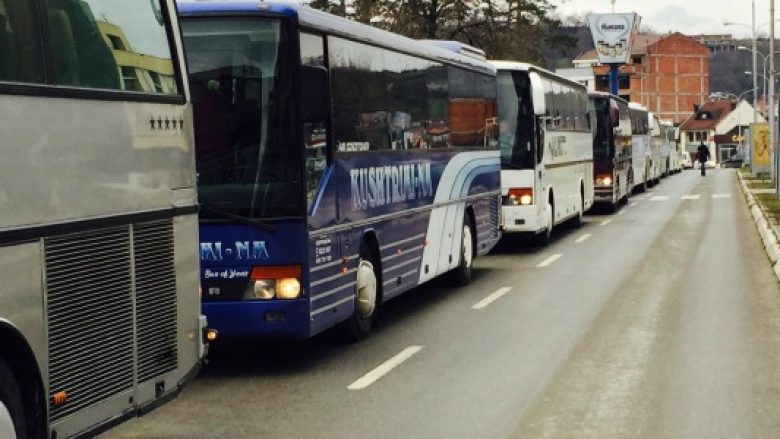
[(689, 16)]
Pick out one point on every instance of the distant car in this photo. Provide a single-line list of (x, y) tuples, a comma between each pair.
[(734, 161), (686, 160)]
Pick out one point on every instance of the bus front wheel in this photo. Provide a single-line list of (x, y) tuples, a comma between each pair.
[(366, 294), (12, 421)]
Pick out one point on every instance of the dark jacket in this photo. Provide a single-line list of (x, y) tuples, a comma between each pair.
[(704, 153)]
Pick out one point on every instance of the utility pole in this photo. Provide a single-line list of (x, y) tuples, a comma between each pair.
[(772, 118), (755, 67)]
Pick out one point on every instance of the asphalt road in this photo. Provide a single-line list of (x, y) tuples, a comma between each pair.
[(662, 320)]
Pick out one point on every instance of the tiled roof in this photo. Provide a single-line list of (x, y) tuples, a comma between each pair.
[(717, 110)]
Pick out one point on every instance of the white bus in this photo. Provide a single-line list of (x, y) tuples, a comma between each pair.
[(670, 148), (658, 161), (546, 149), (99, 305), (640, 146)]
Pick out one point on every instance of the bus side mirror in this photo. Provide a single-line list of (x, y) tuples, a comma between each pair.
[(314, 93)]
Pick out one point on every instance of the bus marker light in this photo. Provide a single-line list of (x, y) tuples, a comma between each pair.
[(209, 335), (398, 252), (604, 180), (344, 270), (59, 398)]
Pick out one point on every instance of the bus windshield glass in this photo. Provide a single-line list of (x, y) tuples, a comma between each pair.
[(601, 148), (248, 161), (516, 121)]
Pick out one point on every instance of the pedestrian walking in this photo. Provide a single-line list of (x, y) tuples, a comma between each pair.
[(704, 155)]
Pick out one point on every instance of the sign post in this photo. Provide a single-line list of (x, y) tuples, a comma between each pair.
[(613, 35)]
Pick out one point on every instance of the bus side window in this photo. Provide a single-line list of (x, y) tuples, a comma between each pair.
[(314, 112), (20, 49)]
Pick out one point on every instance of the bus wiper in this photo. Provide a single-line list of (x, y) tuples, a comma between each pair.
[(264, 226)]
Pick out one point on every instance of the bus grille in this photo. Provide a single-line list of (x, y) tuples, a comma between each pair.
[(155, 299), (91, 317)]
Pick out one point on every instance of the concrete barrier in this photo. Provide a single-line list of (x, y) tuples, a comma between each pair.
[(768, 237)]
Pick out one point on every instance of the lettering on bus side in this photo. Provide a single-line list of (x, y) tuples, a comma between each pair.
[(378, 186), (240, 251)]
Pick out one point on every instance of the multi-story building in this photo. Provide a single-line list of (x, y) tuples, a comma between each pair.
[(668, 74)]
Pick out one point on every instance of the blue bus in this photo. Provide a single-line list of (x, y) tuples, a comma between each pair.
[(338, 166)]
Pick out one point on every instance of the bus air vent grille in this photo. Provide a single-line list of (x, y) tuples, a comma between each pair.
[(90, 315), (155, 298)]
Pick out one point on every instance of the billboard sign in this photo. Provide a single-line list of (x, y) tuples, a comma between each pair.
[(760, 158), (613, 35)]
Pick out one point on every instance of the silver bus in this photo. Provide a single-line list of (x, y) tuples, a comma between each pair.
[(99, 300)]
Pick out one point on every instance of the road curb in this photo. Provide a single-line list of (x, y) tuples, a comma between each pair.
[(768, 237)]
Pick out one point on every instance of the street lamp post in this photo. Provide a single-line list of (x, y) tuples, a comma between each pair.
[(755, 60), (772, 133)]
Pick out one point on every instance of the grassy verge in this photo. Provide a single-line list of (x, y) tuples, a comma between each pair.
[(771, 206), (760, 184)]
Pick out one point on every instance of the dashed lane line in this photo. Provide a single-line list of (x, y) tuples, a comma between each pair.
[(605, 222), (633, 204), (499, 293), (583, 238), (384, 368), (660, 198), (691, 197), (622, 212), (720, 196), (549, 261)]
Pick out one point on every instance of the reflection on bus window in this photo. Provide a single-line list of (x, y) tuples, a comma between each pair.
[(20, 51), (110, 44)]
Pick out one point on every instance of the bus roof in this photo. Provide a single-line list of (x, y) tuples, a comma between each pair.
[(525, 67), (605, 95), (311, 18)]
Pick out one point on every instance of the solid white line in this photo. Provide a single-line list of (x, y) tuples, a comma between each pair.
[(491, 298), (549, 261), (691, 197), (633, 204), (717, 196), (605, 222), (384, 368), (583, 238), (660, 198)]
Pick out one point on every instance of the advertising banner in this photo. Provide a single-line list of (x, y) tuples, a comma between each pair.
[(613, 35), (760, 154)]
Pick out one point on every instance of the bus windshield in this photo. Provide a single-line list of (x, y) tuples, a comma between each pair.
[(248, 160), (601, 148), (516, 121)]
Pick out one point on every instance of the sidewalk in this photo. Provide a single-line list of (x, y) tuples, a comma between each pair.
[(767, 227)]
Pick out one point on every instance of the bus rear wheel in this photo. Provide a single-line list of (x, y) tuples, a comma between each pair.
[(12, 420), (366, 297), (543, 238)]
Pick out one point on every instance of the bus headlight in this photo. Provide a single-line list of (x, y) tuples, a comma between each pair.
[(274, 282), (604, 180), (260, 289), (288, 288), (519, 197)]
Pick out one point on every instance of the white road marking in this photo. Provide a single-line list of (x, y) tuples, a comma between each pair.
[(621, 212), (491, 298), (605, 222), (690, 197), (583, 238), (384, 368), (549, 261), (719, 196), (633, 204), (660, 198)]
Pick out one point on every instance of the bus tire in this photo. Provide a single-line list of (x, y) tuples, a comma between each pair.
[(544, 237), (359, 325), (579, 220), (12, 418), (463, 273)]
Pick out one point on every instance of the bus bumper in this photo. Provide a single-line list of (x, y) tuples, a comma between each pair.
[(602, 194), (268, 320), (519, 219)]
